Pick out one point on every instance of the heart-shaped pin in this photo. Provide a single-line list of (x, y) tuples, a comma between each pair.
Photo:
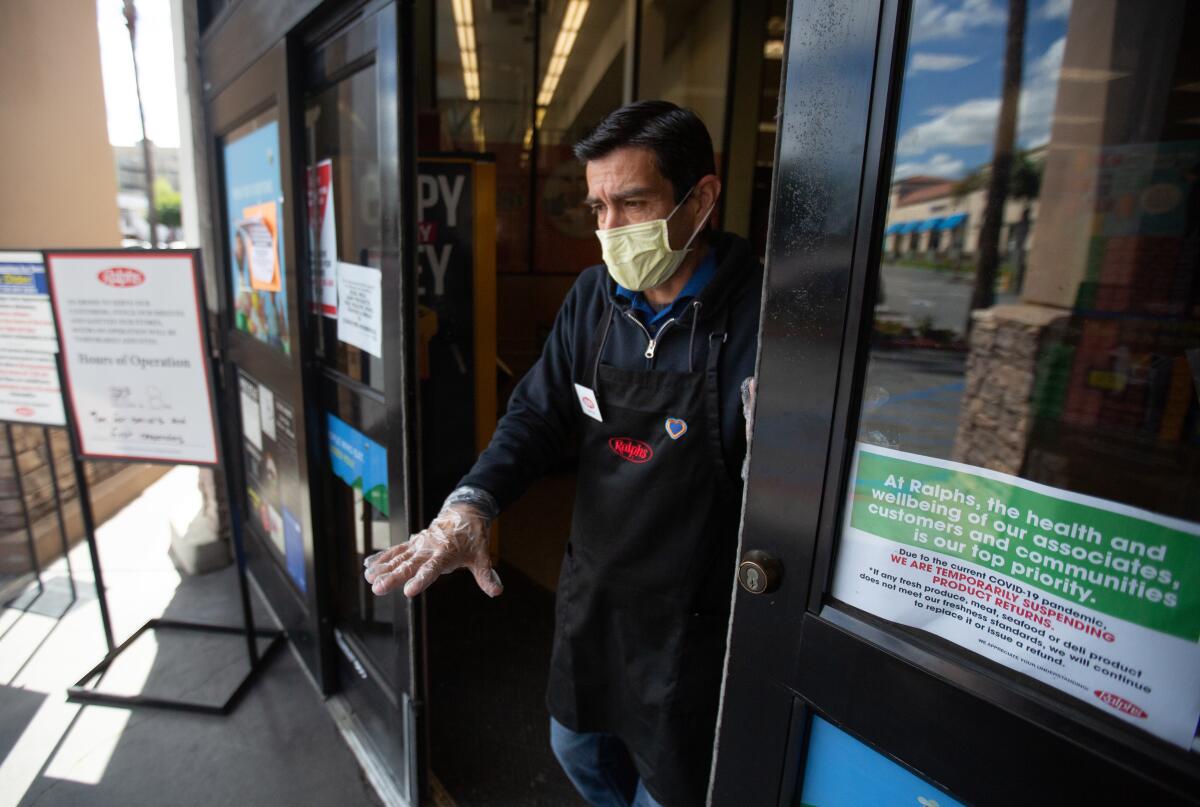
[(676, 428)]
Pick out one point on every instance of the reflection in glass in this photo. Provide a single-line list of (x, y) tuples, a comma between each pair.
[(1072, 356)]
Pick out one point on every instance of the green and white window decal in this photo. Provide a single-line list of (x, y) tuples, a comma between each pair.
[(1095, 598)]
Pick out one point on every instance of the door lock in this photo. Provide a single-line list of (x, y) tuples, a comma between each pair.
[(759, 573)]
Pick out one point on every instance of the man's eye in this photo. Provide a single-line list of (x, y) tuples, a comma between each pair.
[(634, 203)]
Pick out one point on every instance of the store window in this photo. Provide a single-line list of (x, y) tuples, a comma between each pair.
[(1028, 456)]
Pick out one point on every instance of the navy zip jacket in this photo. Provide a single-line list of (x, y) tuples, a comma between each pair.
[(541, 424)]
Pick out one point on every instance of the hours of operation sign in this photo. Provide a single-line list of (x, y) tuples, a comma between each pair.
[(135, 369)]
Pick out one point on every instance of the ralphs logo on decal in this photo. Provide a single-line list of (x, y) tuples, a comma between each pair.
[(24, 411), (1120, 704), (121, 277), (629, 449)]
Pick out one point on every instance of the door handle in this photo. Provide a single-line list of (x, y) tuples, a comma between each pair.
[(759, 573)]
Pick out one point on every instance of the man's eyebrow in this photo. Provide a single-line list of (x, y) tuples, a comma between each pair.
[(621, 196)]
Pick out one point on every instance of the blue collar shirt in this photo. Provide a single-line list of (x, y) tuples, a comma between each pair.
[(654, 319)]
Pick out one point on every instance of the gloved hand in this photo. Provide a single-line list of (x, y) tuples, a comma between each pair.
[(457, 538)]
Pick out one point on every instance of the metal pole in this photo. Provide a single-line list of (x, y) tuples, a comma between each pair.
[(151, 213), (235, 526), (58, 509), (33, 558), (85, 510)]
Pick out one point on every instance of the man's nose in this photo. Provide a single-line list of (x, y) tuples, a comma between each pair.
[(612, 219)]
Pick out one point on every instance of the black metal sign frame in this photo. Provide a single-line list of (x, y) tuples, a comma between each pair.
[(82, 692)]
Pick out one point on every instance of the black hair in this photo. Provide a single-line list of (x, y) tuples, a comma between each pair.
[(678, 139)]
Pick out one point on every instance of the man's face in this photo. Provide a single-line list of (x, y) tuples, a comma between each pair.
[(625, 187)]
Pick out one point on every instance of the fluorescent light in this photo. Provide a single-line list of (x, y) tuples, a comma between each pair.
[(563, 44), (464, 28)]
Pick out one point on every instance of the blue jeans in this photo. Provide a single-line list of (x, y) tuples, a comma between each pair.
[(600, 768)]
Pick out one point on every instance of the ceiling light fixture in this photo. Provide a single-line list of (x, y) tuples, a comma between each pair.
[(464, 26)]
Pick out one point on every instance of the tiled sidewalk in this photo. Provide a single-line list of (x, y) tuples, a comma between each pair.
[(280, 746)]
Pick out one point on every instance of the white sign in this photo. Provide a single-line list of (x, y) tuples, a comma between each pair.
[(1094, 598), (251, 412), (136, 371), (360, 318), (26, 322), (29, 390), (266, 411)]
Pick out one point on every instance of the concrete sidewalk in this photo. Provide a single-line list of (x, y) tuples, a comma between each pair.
[(280, 746)]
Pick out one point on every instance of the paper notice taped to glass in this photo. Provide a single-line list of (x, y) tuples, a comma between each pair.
[(360, 318), (1095, 598)]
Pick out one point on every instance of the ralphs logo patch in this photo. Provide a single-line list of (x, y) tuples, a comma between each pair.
[(629, 449), (1120, 704), (121, 277)]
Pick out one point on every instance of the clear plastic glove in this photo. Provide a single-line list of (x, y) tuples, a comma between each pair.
[(457, 538)]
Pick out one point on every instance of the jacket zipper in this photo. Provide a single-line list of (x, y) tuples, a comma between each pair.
[(652, 342)]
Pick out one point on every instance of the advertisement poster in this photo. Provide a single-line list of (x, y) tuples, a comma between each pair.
[(446, 320), (255, 217), (135, 365), (29, 389), (841, 771), (358, 461), (26, 323), (322, 223), (271, 465), (1095, 598), (360, 303)]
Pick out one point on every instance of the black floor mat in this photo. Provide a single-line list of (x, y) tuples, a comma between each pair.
[(487, 667)]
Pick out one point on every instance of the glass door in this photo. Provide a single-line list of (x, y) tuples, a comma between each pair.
[(359, 294), (973, 569)]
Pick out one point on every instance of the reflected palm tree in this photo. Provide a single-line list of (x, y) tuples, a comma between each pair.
[(1000, 179)]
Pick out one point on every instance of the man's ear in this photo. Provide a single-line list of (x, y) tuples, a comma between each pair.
[(708, 191)]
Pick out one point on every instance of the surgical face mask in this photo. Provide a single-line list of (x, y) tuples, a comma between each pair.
[(639, 256)]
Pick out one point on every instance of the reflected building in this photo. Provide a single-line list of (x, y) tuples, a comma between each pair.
[(1085, 383)]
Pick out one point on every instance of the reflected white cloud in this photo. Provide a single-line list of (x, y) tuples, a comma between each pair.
[(938, 62), (934, 20), (939, 165), (973, 122)]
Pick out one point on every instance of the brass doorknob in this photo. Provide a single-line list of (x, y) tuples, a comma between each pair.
[(759, 573)]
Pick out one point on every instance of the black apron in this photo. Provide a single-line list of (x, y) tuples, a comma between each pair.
[(644, 595)]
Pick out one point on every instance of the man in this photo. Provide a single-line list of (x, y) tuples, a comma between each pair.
[(643, 370)]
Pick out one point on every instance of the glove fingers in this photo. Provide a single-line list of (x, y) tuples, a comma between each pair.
[(487, 580), (390, 562), (429, 571)]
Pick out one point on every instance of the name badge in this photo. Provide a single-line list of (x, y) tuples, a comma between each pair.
[(588, 403)]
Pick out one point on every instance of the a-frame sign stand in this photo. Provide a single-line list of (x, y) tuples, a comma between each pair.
[(133, 267)]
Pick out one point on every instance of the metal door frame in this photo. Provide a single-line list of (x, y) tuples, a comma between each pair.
[(954, 718)]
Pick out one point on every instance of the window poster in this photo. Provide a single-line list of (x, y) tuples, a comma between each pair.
[(270, 460), (1095, 598), (358, 461), (135, 363), (839, 770), (322, 235), (255, 216)]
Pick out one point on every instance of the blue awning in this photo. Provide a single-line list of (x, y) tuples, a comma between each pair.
[(893, 228), (909, 226), (950, 222), (930, 224)]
